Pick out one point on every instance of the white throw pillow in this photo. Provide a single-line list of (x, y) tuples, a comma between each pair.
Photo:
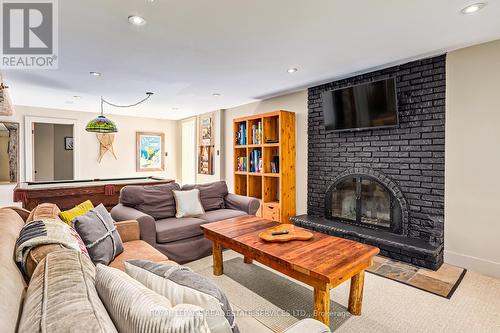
[(181, 286), (135, 309), (188, 203)]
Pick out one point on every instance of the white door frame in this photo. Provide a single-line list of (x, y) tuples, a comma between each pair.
[(29, 144), (195, 157)]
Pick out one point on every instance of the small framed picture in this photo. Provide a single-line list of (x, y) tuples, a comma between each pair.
[(68, 143)]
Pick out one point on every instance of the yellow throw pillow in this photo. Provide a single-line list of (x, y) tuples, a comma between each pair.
[(83, 208)]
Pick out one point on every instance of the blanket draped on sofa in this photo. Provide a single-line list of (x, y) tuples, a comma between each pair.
[(45, 232)]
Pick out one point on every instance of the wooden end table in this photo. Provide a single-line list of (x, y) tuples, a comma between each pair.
[(323, 262)]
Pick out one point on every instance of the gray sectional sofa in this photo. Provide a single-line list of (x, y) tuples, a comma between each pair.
[(180, 239)]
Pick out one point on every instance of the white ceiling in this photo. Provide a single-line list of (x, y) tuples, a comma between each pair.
[(241, 49)]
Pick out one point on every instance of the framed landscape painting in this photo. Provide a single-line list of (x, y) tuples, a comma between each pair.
[(150, 151)]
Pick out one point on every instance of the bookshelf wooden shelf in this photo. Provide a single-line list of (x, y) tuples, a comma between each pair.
[(264, 162)]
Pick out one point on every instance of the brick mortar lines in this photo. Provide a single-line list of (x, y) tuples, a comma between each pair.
[(412, 155)]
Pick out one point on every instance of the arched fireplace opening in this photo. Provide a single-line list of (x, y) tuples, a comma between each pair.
[(369, 200)]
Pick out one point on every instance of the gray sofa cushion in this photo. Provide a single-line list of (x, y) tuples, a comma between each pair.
[(221, 214), (155, 200), (98, 232), (173, 229), (211, 195)]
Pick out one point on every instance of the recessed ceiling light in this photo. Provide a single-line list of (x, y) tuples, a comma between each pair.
[(136, 20), (291, 70), (474, 8), (77, 97), (150, 1), (95, 74), (216, 94)]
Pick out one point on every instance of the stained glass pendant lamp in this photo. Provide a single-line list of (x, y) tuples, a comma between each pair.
[(101, 124)]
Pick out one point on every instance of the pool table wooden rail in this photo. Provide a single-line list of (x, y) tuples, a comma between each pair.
[(67, 195)]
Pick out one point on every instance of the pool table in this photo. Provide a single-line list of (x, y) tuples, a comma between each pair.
[(67, 194)]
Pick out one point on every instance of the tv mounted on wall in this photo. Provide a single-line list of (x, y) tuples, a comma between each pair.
[(364, 106)]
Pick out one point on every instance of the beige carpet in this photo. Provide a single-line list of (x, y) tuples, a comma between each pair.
[(390, 306)]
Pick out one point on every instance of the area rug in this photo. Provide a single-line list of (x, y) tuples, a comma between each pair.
[(271, 298), (442, 282)]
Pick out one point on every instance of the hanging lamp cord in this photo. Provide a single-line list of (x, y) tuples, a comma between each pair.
[(148, 96)]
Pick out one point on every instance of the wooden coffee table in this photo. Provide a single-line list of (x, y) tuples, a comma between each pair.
[(323, 262)]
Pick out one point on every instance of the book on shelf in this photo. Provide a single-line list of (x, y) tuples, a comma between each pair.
[(257, 133), (256, 161), (275, 164), (241, 135), (241, 164)]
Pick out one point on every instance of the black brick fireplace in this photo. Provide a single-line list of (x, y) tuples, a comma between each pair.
[(384, 187)]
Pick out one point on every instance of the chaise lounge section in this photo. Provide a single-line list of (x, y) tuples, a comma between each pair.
[(180, 239)]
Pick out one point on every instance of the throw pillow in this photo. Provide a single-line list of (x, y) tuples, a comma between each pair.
[(188, 204), (180, 285), (62, 297), (68, 215), (135, 308), (212, 195), (98, 232), (44, 211)]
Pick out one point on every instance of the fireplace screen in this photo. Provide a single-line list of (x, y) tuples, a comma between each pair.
[(362, 200), (375, 204)]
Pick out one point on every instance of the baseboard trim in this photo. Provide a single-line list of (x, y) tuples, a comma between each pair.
[(483, 266)]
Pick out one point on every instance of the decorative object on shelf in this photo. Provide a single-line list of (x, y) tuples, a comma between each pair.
[(206, 145), (101, 124), (106, 141), (68, 143), (150, 151), (5, 102), (285, 233)]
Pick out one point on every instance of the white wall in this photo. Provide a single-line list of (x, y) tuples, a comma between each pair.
[(188, 151), (296, 102), (63, 159), (125, 146), (472, 197)]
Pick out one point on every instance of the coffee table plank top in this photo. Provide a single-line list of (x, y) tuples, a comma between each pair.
[(326, 258)]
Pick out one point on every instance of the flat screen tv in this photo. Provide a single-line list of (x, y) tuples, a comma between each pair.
[(364, 106)]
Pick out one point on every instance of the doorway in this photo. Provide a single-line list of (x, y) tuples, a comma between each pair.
[(51, 148), (52, 152), (188, 167)]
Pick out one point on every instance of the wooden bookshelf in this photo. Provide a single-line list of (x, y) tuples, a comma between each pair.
[(275, 142)]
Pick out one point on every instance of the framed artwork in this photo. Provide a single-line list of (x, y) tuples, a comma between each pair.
[(68, 143), (206, 122), (150, 151), (206, 160), (206, 143)]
